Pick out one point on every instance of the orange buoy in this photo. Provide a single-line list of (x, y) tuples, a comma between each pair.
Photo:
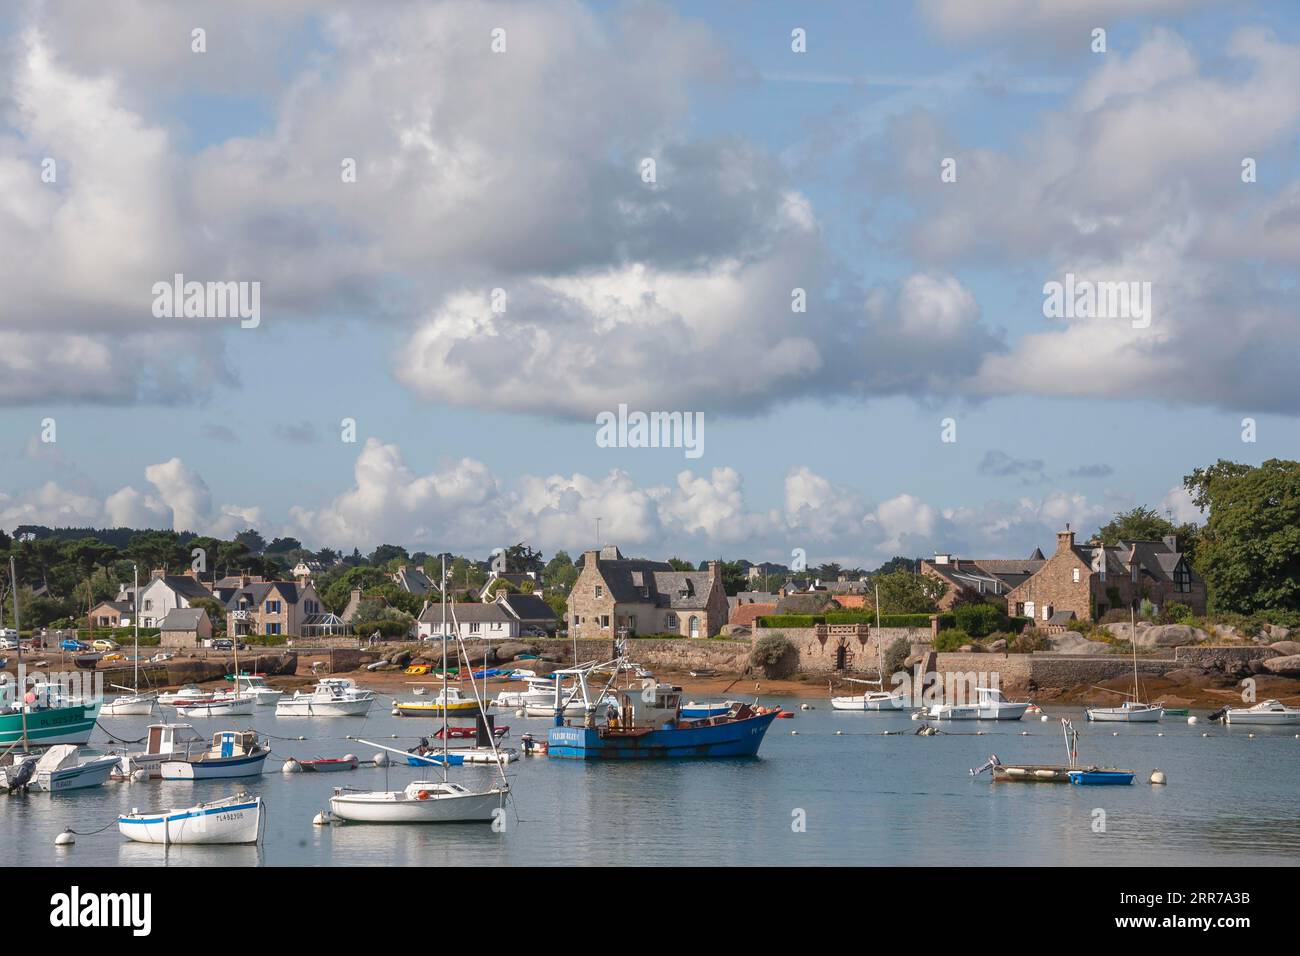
[(422, 795)]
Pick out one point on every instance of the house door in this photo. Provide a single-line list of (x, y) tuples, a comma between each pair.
[(841, 657), (1029, 610), (695, 626)]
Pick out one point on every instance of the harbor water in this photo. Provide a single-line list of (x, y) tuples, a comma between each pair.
[(827, 788)]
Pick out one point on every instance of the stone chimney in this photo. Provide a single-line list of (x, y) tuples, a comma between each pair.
[(589, 558), (157, 573), (244, 580), (1064, 540)]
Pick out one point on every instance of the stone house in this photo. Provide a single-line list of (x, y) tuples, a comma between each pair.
[(980, 579), (185, 627), (276, 607), (616, 596), (1091, 579)]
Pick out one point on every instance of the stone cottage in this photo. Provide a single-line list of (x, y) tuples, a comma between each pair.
[(616, 596)]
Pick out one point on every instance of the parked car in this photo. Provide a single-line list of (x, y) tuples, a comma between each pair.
[(105, 645), (8, 643), (533, 632), (226, 644), (73, 645)]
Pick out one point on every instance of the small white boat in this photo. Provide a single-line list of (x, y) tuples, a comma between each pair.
[(572, 708), (129, 705), (424, 801), (236, 819), (59, 769), (236, 705), (1265, 713), (989, 704), (255, 686), (189, 694), (162, 742), (234, 753), (1129, 712), (872, 700), (331, 697)]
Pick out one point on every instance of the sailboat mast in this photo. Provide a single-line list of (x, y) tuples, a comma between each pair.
[(18, 629), (445, 755), (1133, 638), (135, 619)]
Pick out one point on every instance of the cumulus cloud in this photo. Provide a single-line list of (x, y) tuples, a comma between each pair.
[(1137, 179)]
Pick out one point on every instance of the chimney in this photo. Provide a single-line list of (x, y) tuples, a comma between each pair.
[(157, 573), (589, 558), (244, 579), (713, 567), (1171, 542), (1064, 540)]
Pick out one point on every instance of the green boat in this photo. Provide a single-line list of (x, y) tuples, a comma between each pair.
[(1176, 711), (69, 724)]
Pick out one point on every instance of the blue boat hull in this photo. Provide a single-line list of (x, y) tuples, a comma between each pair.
[(1100, 778), (740, 738)]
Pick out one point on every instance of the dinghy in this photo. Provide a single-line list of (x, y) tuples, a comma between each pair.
[(236, 819), (330, 764), (1069, 772)]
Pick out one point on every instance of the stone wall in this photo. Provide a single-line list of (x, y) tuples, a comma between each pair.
[(684, 654)]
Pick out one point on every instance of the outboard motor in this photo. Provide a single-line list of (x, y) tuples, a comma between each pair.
[(1218, 714), (22, 776), (989, 764)]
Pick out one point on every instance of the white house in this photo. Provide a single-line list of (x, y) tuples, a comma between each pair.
[(165, 593), (471, 620)]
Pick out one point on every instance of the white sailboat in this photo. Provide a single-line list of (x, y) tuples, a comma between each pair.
[(878, 699), (428, 801), (1132, 711), (133, 703)]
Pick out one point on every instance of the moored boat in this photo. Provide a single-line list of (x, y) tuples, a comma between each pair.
[(451, 700), (234, 754), (423, 801), (162, 742), (989, 704), (58, 769), (188, 694), (331, 697), (45, 716), (1069, 772), (647, 723), (234, 819), (1129, 712), (235, 705), (330, 764), (1267, 713)]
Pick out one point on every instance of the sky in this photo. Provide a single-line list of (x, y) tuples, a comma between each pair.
[(462, 261)]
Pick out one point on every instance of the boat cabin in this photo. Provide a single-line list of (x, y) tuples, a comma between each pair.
[(233, 743), (170, 738), (651, 706)]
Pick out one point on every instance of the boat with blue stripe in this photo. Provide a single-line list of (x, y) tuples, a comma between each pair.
[(235, 819), (648, 723)]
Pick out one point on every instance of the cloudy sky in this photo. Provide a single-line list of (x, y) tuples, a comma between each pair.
[(499, 270)]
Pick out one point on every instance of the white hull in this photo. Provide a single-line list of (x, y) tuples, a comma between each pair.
[(221, 707), (1262, 718), (403, 806), (869, 702), (1126, 715), (92, 773), (230, 768), (977, 712), (303, 707), (129, 705), (233, 820)]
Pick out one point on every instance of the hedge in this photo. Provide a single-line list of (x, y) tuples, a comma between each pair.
[(852, 617)]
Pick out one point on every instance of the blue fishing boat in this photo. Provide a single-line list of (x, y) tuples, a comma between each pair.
[(647, 723), (693, 711)]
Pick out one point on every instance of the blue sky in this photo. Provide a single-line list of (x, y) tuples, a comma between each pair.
[(822, 430)]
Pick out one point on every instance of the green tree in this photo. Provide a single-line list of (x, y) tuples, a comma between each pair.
[(677, 564), (904, 593), (250, 539), (1249, 549), (1146, 524)]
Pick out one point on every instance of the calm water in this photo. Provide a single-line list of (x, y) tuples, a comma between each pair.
[(868, 799)]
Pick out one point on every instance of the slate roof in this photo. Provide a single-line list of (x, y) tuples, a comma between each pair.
[(256, 593), (529, 607), (183, 585), (466, 612), (183, 619), (413, 580)]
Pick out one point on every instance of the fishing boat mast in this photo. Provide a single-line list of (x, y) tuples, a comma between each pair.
[(18, 629), (135, 620)]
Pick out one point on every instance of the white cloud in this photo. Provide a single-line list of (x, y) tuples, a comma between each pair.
[(963, 20)]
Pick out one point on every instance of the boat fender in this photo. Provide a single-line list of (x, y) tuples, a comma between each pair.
[(291, 766), (422, 795), (381, 759), (1158, 777)]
